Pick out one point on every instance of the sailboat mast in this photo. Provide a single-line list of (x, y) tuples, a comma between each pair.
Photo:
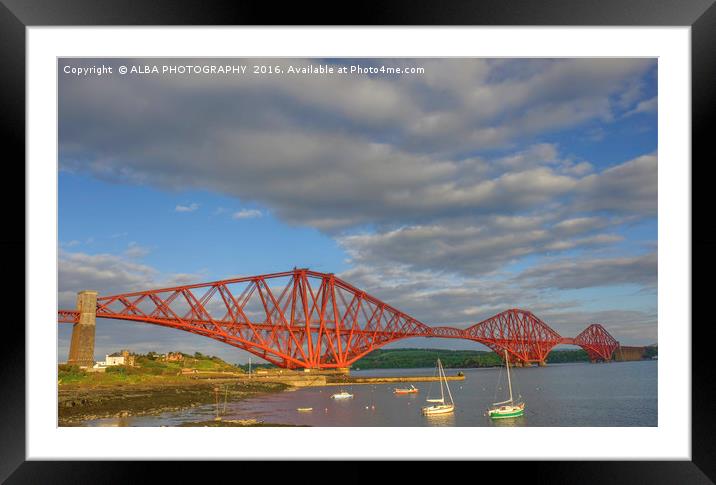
[(442, 392), (448, 387), (509, 381)]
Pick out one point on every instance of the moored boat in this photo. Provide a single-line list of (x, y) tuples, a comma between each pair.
[(410, 390), (342, 395), (507, 411), (508, 408), (440, 406)]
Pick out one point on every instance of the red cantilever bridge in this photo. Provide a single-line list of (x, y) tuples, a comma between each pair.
[(306, 319)]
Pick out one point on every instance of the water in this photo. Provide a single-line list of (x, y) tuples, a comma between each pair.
[(613, 394)]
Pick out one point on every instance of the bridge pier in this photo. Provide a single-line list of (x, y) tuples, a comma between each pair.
[(336, 370), (624, 353), (82, 342), (542, 363)]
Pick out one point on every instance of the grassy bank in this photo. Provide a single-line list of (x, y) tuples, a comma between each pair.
[(150, 368)]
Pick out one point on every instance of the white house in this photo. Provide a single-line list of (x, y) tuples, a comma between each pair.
[(110, 360), (114, 359)]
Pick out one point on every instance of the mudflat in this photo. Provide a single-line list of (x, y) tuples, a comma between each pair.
[(79, 402)]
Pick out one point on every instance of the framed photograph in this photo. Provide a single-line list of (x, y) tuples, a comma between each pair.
[(417, 230)]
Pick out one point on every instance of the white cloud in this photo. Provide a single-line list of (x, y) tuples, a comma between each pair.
[(187, 208), (103, 272), (646, 106), (135, 251), (627, 188), (584, 273), (246, 214), (473, 246), (338, 152), (109, 274)]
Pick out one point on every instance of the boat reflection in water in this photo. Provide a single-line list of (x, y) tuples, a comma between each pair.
[(440, 419), (507, 423)]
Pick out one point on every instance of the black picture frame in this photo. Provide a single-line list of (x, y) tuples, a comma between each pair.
[(16, 15)]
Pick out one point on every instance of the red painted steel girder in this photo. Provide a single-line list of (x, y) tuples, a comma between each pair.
[(303, 318), (447, 332), (521, 333), (598, 343), (294, 319), (68, 316)]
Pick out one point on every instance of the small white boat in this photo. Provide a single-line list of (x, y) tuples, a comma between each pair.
[(342, 395), (304, 410), (440, 406)]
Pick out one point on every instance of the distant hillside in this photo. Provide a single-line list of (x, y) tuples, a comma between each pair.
[(415, 358), (651, 351)]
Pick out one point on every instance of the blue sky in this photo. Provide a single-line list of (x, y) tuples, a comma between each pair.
[(477, 186)]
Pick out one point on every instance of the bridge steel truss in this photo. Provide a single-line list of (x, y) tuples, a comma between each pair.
[(307, 319)]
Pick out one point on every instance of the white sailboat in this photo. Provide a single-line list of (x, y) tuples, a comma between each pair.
[(508, 408), (440, 406)]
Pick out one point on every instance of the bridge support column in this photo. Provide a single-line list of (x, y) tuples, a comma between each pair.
[(542, 363), (82, 343)]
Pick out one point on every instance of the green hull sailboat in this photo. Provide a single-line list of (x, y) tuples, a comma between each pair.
[(508, 408), (508, 412)]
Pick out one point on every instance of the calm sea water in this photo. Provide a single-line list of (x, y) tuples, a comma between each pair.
[(613, 394)]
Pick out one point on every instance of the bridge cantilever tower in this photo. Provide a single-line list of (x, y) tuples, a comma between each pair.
[(307, 319), (526, 338)]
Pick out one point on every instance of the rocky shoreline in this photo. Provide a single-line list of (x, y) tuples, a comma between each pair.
[(77, 404), (232, 423)]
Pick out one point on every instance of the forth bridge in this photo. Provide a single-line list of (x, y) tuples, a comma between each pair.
[(310, 320)]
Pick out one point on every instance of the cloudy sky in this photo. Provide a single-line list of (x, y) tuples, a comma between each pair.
[(452, 194)]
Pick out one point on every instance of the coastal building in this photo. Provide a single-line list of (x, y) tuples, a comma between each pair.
[(117, 358), (114, 359), (174, 357), (128, 358)]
